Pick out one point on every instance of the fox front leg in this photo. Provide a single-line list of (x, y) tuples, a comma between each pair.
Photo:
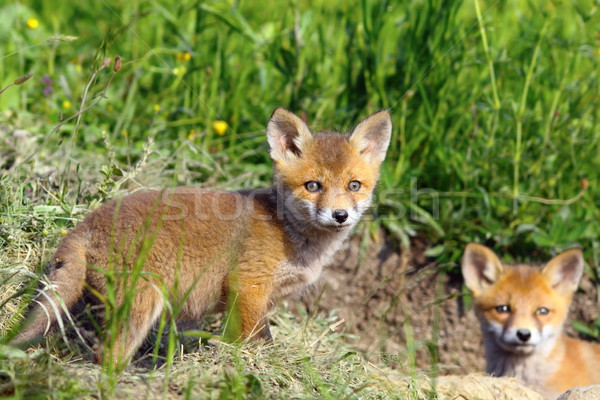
[(247, 312)]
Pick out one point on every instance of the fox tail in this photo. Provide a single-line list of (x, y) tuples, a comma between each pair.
[(66, 279)]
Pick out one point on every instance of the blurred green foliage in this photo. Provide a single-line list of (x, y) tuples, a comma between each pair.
[(495, 104)]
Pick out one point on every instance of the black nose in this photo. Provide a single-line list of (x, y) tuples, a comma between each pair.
[(340, 216), (523, 335)]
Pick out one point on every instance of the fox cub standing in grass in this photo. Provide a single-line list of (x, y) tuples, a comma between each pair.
[(522, 310), (203, 250)]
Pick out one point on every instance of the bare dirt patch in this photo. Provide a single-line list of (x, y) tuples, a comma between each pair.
[(392, 301)]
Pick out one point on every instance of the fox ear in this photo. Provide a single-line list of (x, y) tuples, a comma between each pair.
[(564, 271), (287, 135), (480, 267), (372, 135)]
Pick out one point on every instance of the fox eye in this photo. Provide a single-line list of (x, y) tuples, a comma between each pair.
[(502, 309), (542, 311), (354, 186), (312, 186)]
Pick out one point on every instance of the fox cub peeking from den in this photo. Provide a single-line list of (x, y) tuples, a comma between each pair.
[(522, 310), (202, 251)]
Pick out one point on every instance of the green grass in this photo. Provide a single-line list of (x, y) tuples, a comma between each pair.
[(313, 362), (495, 109), (495, 106)]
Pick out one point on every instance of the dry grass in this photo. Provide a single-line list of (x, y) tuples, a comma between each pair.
[(308, 359)]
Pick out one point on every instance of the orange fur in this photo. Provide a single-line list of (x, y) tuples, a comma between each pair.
[(522, 310), (205, 250)]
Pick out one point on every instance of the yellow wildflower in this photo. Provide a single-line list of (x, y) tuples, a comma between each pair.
[(63, 232), (45, 232), (156, 107), (192, 134), (66, 104), (184, 56), (32, 23), (219, 127)]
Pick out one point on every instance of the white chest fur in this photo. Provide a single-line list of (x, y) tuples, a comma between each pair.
[(312, 255)]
